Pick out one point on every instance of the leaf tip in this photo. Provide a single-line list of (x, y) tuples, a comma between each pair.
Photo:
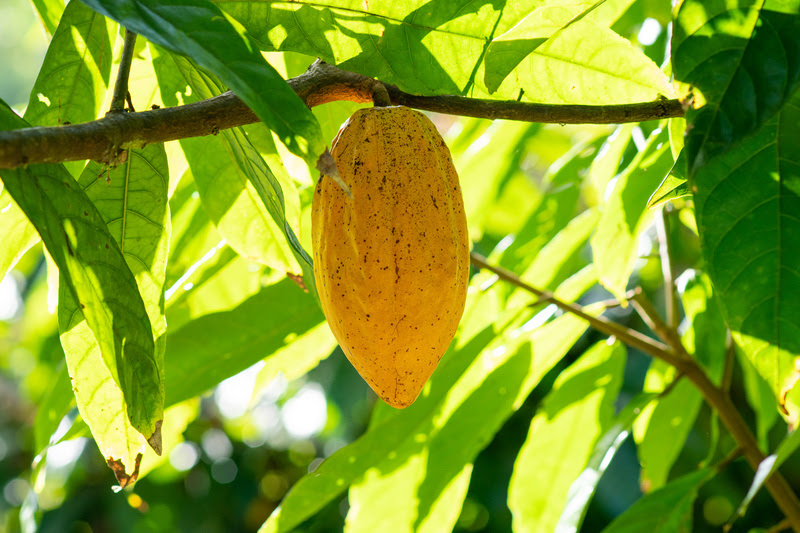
[(154, 440), (123, 478)]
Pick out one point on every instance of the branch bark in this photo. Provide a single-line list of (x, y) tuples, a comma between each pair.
[(105, 139)]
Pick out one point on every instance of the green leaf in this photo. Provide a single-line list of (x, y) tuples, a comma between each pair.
[(413, 45), (55, 405), (769, 466), (585, 61), (558, 205), (17, 232), (238, 190), (674, 186), (666, 510), (72, 83), (583, 488), (661, 431), (605, 166), (556, 261), (486, 164), (200, 30), (508, 50), (74, 78), (49, 12), (410, 44), (760, 398), (70, 87), (95, 272), (741, 60), (615, 244), (576, 412), (132, 199), (217, 346), (746, 205)]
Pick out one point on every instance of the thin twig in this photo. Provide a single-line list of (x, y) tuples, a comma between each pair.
[(629, 336), (783, 525), (665, 252), (730, 359), (723, 463), (776, 484), (656, 323), (101, 140), (123, 74), (671, 385)]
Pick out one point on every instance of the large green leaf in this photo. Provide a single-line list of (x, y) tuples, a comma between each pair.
[(663, 427), (585, 62), (70, 87), (214, 347), (666, 510), (615, 244), (50, 12), (743, 61), (439, 47), (132, 199), (583, 488), (423, 47), (198, 29), (95, 272), (72, 83), (577, 411), (557, 206), (746, 204), (486, 164)]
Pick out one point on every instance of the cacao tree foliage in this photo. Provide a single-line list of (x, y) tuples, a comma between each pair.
[(161, 309)]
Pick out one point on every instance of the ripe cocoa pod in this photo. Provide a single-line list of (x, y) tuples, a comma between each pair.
[(392, 262)]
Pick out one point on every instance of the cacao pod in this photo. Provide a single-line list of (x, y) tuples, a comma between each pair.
[(391, 262)]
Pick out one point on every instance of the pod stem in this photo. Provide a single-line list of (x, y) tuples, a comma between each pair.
[(380, 96)]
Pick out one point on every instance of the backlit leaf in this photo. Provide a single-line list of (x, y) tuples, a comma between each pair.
[(132, 199), (615, 244), (576, 412), (95, 272)]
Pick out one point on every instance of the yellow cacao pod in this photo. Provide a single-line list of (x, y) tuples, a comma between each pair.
[(392, 262)]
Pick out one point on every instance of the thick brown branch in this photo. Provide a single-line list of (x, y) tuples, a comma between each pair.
[(104, 139)]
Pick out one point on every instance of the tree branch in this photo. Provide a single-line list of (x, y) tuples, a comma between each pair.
[(123, 74), (715, 396), (104, 139)]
